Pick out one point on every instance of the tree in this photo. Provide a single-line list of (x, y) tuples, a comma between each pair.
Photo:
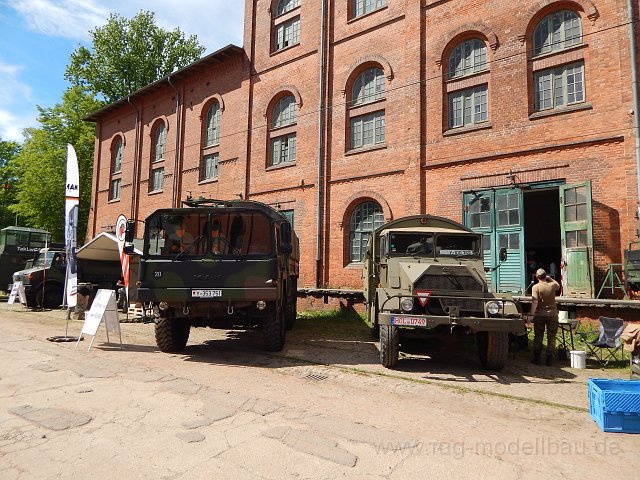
[(41, 163), (127, 55), (8, 150)]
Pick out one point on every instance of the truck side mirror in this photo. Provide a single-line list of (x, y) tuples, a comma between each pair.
[(503, 254), (130, 231)]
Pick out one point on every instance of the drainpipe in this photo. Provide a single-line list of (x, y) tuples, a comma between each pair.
[(96, 168), (252, 57), (321, 112), (135, 184), (174, 192), (634, 90)]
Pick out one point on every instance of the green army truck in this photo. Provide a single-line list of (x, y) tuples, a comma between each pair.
[(219, 264), (426, 273)]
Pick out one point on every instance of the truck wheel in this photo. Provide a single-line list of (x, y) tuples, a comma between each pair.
[(274, 328), (292, 301), (172, 334), (52, 296), (389, 345), (493, 349)]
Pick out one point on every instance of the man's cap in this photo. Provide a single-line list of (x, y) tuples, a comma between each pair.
[(540, 272)]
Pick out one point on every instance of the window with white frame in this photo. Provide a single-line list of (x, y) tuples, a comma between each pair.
[(285, 6), (559, 87), (157, 179), (468, 107), (362, 7), (282, 135), (114, 191), (557, 31), (116, 165), (285, 112), (212, 132), (283, 149), (368, 87), (287, 33), (160, 140), (210, 164), (367, 130), (468, 57), (365, 218)]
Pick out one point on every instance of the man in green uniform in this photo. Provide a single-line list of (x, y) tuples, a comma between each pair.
[(545, 315)]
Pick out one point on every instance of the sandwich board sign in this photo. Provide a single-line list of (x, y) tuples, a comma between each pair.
[(103, 308), (17, 290)]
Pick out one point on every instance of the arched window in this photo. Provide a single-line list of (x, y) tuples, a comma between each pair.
[(366, 127), (212, 133), (557, 31), (285, 6), (563, 84), (282, 135), (368, 87), (365, 218), (468, 57), (116, 157), (159, 142)]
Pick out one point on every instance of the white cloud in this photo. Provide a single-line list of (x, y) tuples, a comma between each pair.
[(60, 18), (215, 22), (14, 95)]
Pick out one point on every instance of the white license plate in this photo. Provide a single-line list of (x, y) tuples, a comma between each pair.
[(409, 321), (206, 293)]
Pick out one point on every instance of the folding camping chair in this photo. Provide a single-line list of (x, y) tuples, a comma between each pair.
[(608, 344)]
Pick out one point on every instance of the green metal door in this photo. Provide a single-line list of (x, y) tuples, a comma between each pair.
[(577, 240), (498, 215)]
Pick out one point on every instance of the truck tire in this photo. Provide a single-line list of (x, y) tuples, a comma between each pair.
[(172, 334), (273, 327), (52, 296), (389, 345), (292, 304), (493, 349)]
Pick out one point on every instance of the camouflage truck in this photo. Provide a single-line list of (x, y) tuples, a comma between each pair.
[(426, 273), (218, 264)]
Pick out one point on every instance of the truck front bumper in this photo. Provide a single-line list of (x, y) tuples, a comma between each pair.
[(478, 324)]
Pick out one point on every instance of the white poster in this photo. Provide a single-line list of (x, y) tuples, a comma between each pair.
[(102, 308), (15, 289), (72, 200)]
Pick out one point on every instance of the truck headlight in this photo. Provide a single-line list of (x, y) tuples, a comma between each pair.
[(261, 304), (493, 308), (406, 304)]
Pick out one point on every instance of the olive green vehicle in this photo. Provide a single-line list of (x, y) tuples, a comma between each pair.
[(426, 273), (219, 264)]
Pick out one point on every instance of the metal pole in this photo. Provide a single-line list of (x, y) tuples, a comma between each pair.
[(634, 89), (321, 112)]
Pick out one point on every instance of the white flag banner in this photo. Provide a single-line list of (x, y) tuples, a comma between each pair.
[(72, 200)]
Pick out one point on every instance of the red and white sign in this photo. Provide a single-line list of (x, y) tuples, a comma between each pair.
[(121, 228), (423, 297)]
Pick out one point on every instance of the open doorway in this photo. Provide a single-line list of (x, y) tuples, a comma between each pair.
[(542, 233)]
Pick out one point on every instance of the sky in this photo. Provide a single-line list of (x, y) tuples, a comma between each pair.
[(38, 36)]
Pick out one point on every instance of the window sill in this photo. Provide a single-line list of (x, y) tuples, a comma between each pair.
[(467, 76), (213, 147), (282, 130), (559, 52), (157, 161), (471, 128), (208, 180), (355, 151), (280, 166), (156, 192), (283, 17), (114, 200), (354, 266), (276, 52), (364, 15), (366, 107), (561, 110)]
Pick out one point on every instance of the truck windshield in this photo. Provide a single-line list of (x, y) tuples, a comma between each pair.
[(455, 245), (410, 243), (197, 234), (43, 262)]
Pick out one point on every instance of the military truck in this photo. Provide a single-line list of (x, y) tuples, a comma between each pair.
[(18, 245), (426, 273), (44, 280), (218, 264)]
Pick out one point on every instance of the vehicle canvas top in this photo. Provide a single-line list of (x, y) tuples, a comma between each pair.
[(430, 223)]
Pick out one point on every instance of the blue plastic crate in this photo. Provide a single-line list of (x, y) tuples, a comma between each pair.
[(615, 404)]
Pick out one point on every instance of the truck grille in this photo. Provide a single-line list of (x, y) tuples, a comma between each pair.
[(455, 281)]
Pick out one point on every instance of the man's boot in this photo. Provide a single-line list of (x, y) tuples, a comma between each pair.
[(536, 358), (549, 361)]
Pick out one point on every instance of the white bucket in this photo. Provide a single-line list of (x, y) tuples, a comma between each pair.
[(563, 316), (578, 359)]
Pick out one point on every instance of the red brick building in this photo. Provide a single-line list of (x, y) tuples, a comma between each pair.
[(516, 118)]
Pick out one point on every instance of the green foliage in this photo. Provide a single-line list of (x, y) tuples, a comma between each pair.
[(8, 150), (128, 54), (41, 163)]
